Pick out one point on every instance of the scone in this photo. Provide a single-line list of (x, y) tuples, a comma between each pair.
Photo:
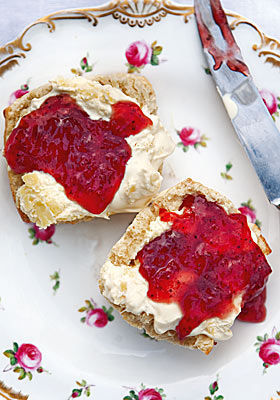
[(186, 266), (82, 148)]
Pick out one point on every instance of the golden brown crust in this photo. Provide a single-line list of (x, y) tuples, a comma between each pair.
[(134, 86), (126, 249)]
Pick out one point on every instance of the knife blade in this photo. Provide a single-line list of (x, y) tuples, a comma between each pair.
[(251, 120)]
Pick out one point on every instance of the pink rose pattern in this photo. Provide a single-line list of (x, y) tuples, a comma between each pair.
[(213, 388), (83, 388), (250, 212), (145, 394), (95, 316), (27, 357), (41, 235), (18, 93), (191, 137), (269, 349), (139, 54), (23, 360), (84, 66), (271, 101)]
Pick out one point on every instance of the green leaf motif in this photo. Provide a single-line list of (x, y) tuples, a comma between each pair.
[(56, 286), (248, 204), (154, 60), (277, 336), (13, 361), (83, 383), (22, 374), (111, 317), (29, 375), (265, 337), (220, 397), (31, 233), (127, 398), (258, 223), (82, 309), (9, 353), (54, 276), (157, 50), (83, 319), (184, 148), (133, 395), (228, 166), (260, 338), (207, 398), (207, 71), (15, 347), (132, 68), (213, 387)]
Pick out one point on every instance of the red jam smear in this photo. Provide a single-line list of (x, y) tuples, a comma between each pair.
[(231, 53), (203, 262), (87, 157), (254, 310)]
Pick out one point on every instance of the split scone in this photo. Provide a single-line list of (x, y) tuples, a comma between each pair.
[(186, 266), (82, 148)]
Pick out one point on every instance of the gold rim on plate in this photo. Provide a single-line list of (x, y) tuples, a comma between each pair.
[(139, 13)]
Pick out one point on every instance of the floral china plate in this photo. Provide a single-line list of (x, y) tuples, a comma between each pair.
[(59, 338)]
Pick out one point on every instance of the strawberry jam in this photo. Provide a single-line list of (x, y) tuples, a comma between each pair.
[(203, 262), (87, 157), (254, 310)]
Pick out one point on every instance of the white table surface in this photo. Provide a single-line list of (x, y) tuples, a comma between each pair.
[(15, 15)]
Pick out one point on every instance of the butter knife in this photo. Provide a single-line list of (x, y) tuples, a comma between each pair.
[(250, 118)]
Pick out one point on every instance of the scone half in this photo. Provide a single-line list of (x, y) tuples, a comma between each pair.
[(126, 289), (40, 199)]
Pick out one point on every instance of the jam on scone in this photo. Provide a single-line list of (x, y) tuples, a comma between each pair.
[(87, 157), (199, 257), (76, 140)]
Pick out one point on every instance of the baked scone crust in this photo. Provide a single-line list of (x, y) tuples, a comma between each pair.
[(125, 250), (134, 86)]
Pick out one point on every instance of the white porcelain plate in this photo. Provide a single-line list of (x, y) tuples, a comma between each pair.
[(48, 290)]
